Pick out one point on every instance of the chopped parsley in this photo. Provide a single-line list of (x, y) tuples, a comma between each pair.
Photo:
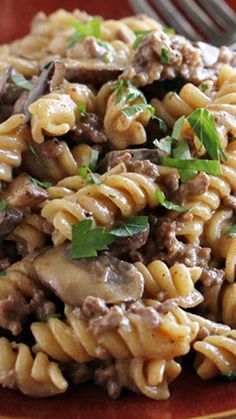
[(169, 31), (43, 184), (38, 156), (91, 28), (176, 132), (164, 144), (140, 35), (86, 173), (93, 159), (165, 56), (87, 241), (20, 81), (230, 231), (3, 205), (82, 109), (202, 123), (167, 204), (131, 226), (203, 87), (212, 167)]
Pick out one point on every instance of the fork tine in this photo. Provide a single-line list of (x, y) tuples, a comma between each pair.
[(198, 16), (176, 19), (220, 16), (141, 6)]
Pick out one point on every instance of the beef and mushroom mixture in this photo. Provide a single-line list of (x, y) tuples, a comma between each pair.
[(117, 206)]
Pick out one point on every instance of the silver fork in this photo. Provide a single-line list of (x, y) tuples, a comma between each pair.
[(211, 20)]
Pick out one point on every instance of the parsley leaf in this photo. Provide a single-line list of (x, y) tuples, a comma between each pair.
[(231, 230), (3, 205), (167, 204), (202, 123), (165, 56), (212, 167), (38, 156), (132, 93), (140, 35), (131, 226), (93, 159), (182, 152), (231, 376), (91, 28), (140, 107), (20, 81), (203, 87), (43, 185), (164, 144), (176, 132), (86, 173), (169, 31), (82, 109), (3, 273), (86, 241)]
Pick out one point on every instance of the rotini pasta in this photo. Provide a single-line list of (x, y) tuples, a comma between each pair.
[(36, 377), (117, 206)]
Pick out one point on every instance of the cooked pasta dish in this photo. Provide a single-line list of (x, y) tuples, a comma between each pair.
[(117, 206)]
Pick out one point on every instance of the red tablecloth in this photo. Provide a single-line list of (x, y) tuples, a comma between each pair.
[(15, 15)]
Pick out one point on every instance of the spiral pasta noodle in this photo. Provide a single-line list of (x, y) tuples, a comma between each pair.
[(131, 338), (12, 144), (35, 377), (215, 356), (150, 378), (176, 282), (125, 194)]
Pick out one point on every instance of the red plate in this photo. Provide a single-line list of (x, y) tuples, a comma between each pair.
[(190, 396)]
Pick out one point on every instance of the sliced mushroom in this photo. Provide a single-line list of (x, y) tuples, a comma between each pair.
[(91, 71), (124, 245), (3, 79), (9, 220), (105, 276)]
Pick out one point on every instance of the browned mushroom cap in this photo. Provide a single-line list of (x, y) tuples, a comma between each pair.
[(104, 276), (91, 71)]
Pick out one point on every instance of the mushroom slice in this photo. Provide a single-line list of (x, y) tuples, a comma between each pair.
[(103, 276)]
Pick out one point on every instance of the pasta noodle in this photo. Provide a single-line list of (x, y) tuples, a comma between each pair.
[(117, 206), (36, 377)]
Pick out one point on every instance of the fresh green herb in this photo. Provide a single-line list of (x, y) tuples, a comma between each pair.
[(140, 35), (82, 109), (164, 144), (169, 31), (203, 87), (52, 316), (162, 124), (176, 132), (3, 273), (165, 56), (231, 376), (182, 152), (86, 173), (131, 226), (47, 64), (92, 28), (20, 81), (202, 123), (212, 167), (87, 241), (38, 156), (132, 110), (43, 185), (230, 231), (132, 93), (93, 159), (108, 58), (167, 204), (3, 205)]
